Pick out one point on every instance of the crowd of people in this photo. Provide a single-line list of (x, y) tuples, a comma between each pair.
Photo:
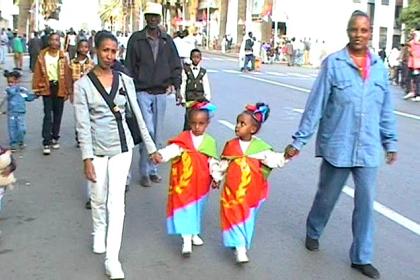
[(120, 105)]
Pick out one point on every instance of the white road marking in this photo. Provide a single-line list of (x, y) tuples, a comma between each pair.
[(276, 83), (298, 75), (255, 73), (389, 213), (212, 71), (219, 59), (298, 110), (402, 114), (380, 208), (407, 115), (232, 71), (277, 74)]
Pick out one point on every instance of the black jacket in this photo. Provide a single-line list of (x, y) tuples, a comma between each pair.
[(148, 74)]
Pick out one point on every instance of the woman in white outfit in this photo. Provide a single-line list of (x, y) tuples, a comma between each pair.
[(106, 144)]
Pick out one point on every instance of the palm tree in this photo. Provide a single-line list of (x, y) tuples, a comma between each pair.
[(111, 12)]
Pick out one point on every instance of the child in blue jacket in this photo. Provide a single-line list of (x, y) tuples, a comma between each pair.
[(16, 96)]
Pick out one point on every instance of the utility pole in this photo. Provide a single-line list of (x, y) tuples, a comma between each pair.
[(208, 24)]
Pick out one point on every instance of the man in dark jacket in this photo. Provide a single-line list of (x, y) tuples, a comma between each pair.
[(34, 46), (154, 63)]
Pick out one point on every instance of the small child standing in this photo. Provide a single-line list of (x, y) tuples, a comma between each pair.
[(195, 84), (247, 162), (16, 109), (194, 160)]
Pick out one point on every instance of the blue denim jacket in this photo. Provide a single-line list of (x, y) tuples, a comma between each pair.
[(355, 116), (16, 97)]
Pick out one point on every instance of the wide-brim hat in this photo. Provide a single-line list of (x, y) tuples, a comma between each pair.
[(153, 8)]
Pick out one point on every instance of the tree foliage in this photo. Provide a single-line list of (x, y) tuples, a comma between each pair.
[(410, 15)]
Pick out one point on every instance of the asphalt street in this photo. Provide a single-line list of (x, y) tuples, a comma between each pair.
[(46, 230)]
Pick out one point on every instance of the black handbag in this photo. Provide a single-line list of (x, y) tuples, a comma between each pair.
[(130, 118)]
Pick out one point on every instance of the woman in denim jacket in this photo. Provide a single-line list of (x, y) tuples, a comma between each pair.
[(351, 103)]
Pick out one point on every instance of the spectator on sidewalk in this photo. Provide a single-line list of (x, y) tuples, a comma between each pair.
[(4, 41), (17, 46), (52, 80), (153, 61), (414, 64), (394, 65), (247, 52), (34, 47)]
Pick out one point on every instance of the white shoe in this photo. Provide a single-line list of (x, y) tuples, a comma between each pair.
[(99, 244), (114, 270), (241, 256), (196, 240), (46, 150), (409, 95), (186, 249), (416, 99), (55, 144)]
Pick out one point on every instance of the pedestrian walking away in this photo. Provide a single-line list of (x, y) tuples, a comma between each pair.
[(351, 105), (246, 162), (194, 169), (52, 80), (156, 68), (106, 143), (34, 47)]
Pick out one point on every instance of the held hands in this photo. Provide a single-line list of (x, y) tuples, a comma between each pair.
[(214, 184), (290, 152), (391, 157), (89, 170), (156, 158)]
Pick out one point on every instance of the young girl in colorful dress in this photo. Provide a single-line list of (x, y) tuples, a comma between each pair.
[(246, 162), (194, 161)]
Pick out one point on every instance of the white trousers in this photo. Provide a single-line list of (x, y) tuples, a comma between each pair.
[(108, 200)]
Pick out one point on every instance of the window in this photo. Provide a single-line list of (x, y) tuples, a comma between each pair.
[(382, 37), (371, 11), (385, 2)]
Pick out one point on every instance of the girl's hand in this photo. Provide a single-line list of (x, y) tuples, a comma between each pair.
[(290, 152), (89, 170), (214, 184)]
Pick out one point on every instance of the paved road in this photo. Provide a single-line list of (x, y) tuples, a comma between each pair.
[(46, 229)]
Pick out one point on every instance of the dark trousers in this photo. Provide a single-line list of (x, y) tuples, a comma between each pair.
[(416, 79), (32, 60), (53, 111)]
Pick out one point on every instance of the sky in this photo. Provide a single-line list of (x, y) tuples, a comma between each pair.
[(79, 14)]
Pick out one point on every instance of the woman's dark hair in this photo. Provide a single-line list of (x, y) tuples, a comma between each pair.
[(103, 35), (355, 14), (12, 74)]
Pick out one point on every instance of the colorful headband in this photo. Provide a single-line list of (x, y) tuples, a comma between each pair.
[(259, 111), (201, 106)]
